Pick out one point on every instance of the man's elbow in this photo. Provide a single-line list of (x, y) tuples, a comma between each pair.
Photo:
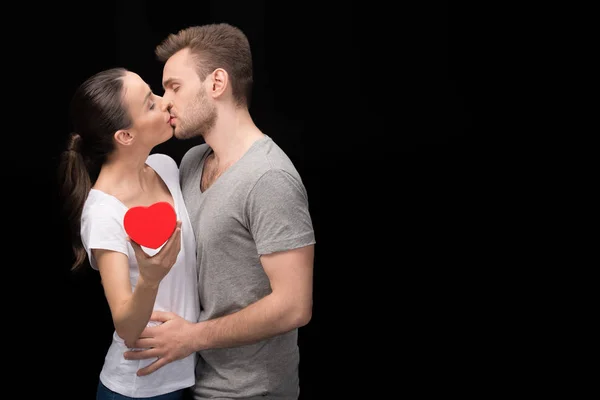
[(302, 316)]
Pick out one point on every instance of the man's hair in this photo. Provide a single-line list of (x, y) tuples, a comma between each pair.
[(215, 46)]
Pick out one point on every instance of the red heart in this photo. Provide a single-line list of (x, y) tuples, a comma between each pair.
[(150, 226)]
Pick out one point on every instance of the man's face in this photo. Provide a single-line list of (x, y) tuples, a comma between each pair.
[(193, 112)]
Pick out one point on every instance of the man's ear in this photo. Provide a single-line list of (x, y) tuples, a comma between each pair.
[(219, 82), (124, 137)]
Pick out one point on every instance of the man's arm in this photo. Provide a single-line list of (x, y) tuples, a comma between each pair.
[(287, 307), (277, 216)]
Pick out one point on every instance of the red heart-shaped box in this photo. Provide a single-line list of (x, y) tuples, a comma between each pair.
[(150, 226)]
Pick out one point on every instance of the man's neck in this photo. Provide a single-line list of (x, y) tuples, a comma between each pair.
[(233, 134)]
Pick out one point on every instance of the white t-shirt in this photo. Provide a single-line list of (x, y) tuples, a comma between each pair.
[(102, 228)]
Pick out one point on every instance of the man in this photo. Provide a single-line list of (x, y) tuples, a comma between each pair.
[(249, 210)]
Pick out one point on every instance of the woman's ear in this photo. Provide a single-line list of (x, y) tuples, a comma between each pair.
[(123, 137)]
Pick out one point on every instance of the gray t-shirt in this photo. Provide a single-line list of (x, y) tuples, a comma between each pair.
[(259, 205)]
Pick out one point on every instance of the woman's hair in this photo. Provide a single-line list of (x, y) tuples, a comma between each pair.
[(97, 112), (215, 46)]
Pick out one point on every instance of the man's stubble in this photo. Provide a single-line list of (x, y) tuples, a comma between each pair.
[(200, 118)]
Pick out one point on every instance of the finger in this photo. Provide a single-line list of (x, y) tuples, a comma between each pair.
[(137, 249), (161, 316), (174, 238), (147, 333), (153, 367), (174, 249), (141, 354), (173, 244), (144, 343)]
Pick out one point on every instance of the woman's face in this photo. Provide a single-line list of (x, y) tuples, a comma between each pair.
[(150, 116)]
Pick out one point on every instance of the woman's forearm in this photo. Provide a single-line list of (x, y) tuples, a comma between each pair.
[(132, 317)]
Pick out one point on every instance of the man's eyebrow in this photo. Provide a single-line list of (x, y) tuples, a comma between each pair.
[(168, 82)]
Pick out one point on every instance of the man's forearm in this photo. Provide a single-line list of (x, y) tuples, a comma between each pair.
[(266, 318)]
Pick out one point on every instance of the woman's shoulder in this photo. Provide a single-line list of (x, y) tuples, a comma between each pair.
[(160, 159), (101, 206)]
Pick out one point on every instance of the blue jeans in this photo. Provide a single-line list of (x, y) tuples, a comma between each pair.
[(105, 393)]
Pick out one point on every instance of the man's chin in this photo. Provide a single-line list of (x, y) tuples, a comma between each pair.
[(185, 135), (176, 133), (180, 135)]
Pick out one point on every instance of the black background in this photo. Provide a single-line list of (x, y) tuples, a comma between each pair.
[(372, 102)]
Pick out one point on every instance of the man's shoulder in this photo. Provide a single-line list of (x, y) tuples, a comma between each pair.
[(272, 159), (191, 158)]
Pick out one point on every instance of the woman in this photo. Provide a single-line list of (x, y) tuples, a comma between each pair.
[(105, 170)]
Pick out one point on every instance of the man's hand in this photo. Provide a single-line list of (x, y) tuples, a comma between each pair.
[(170, 341)]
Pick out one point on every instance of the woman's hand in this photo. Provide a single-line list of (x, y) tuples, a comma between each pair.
[(154, 268)]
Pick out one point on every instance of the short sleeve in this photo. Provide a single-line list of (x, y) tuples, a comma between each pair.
[(101, 228), (277, 213), (165, 166)]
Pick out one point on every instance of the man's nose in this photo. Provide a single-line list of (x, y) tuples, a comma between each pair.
[(166, 105)]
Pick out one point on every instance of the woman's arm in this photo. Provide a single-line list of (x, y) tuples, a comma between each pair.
[(130, 310)]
